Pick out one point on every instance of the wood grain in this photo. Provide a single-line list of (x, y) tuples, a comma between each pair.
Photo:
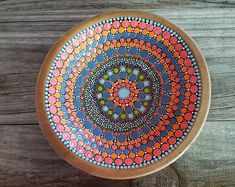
[(27, 31)]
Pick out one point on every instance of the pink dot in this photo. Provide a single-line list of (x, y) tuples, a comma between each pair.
[(187, 62), (147, 157), (172, 140), (142, 25), (118, 162), (173, 40), (83, 37), (56, 72), (53, 81), (157, 30), (134, 23), (193, 79), (178, 133), (166, 34), (178, 47), (184, 125), (60, 128), (191, 71), (90, 33), (149, 27), (66, 136), (116, 24), (59, 64), (188, 116), (191, 107), (53, 109), (64, 56), (128, 161), (98, 158), (194, 89), (51, 99), (138, 160), (157, 152), (183, 54), (165, 146), (73, 143), (98, 29), (107, 26), (76, 42), (125, 23), (51, 90), (89, 154), (193, 98), (56, 119), (80, 150), (108, 160), (114, 147), (69, 49)]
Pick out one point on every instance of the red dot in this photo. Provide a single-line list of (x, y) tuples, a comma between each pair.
[(191, 107), (128, 161), (191, 71), (157, 30), (194, 89), (178, 47), (184, 125), (188, 116), (173, 40), (138, 160), (166, 34), (172, 140), (193, 79), (108, 160), (193, 98), (187, 62), (157, 152), (165, 146), (147, 157), (178, 133), (118, 161)]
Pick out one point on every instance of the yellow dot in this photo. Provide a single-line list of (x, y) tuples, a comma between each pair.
[(89, 41), (93, 55), (76, 50), (104, 33), (96, 37), (71, 57), (58, 104), (63, 121), (66, 63), (60, 113), (58, 87), (63, 70), (60, 79), (113, 31), (83, 46), (57, 95)]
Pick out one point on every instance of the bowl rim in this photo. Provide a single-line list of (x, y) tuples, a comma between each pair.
[(110, 173)]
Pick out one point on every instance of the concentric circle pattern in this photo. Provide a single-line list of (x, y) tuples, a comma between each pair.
[(123, 93)]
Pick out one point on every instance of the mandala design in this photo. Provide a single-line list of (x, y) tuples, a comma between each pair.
[(123, 93)]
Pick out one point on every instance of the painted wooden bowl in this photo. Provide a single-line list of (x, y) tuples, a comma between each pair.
[(123, 94)]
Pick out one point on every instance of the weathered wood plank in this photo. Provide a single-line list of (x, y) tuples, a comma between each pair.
[(26, 36), (26, 159)]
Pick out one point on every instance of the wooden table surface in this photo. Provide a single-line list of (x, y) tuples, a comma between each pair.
[(27, 31)]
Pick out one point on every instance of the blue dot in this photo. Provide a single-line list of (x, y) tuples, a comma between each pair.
[(91, 65), (137, 104), (121, 137), (124, 93), (133, 51), (140, 85), (145, 129), (122, 50), (143, 147), (159, 67), (114, 78), (134, 134), (110, 104), (132, 77), (87, 124), (144, 54), (100, 58), (107, 84), (80, 114), (141, 95), (118, 109), (128, 109), (105, 95), (97, 131), (80, 82), (108, 136), (166, 87), (110, 53), (165, 99), (78, 103), (161, 111), (154, 121), (122, 75), (84, 73)]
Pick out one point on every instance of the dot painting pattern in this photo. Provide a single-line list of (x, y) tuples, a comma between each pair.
[(123, 93)]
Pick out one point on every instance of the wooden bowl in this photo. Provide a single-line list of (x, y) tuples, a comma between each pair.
[(123, 94)]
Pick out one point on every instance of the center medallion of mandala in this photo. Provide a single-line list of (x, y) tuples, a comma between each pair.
[(122, 94)]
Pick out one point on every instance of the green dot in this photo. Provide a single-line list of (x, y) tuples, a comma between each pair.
[(146, 90), (141, 77), (102, 102), (129, 70), (106, 77), (110, 112), (116, 70), (146, 103), (100, 88), (123, 116), (136, 112)]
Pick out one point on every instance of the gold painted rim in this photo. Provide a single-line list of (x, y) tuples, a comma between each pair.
[(110, 173)]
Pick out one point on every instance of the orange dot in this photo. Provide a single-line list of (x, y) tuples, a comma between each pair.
[(112, 31), (151, 34), (144, 32), (149, 150), (137, 30), (131, 155), (121, 30), (129, 29), (164, 139), (113, 155), (157, 145), (159, 37), (104, 154), (175, 126), (104, 33), (122, 156), (140, 153), (180, 118)]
